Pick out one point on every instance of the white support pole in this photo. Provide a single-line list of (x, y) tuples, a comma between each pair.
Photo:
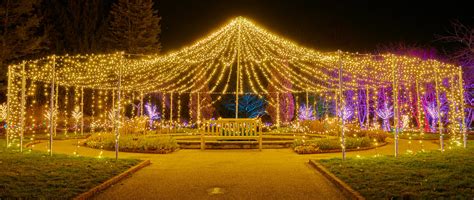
[(367, 101), (51, 107), (56, 108), (395, 105), (113, 109), (452, 107), (343, 145), (463, 114), (278, 109), (198, 109), (117, 114), (178, 118), (367, 106), (171, 108), (141, 104), (9, 99), (82, 110), (418, 106), (315, 106), (325, 104), (22, 105), (238, 77), (307, 100), (438, 108), (336, 101)]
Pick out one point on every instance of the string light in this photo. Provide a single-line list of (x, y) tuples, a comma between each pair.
[(265, 59)]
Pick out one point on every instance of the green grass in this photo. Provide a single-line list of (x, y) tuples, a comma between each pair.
[(36, 175), (430, 175), (426, 136), (418, 135)]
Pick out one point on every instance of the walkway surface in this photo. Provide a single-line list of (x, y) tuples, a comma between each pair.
[(227, 174)]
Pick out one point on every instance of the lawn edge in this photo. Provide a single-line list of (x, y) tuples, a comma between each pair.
[(95, 190), (341, 185)]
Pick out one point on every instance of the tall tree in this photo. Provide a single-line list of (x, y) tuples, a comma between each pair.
[(206, 108), (21, 34), (78, 26), (462, 36), (423, 52), (134, 27), (285, 101), (250, 106)]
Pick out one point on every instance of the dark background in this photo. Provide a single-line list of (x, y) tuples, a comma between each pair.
[(323, 25)]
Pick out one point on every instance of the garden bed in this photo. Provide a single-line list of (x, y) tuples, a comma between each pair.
[(133, 143), (429, 175), (36, 175), (354, 141)]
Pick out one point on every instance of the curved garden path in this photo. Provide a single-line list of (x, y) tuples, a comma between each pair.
[(227, 174)]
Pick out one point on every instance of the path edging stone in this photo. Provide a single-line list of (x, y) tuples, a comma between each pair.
[(341, 185), (95, 190)]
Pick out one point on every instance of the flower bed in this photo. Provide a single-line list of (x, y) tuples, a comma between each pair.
[(328, 145), (134, 143)]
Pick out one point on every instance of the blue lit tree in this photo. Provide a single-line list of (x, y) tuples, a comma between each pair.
[(250, 106)]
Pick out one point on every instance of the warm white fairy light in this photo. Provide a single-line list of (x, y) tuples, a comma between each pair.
[(212, 61)]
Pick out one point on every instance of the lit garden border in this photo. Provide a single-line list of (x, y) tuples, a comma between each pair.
[(239, 58)]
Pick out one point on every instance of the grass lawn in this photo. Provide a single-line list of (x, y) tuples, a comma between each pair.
[(426, 136), (429, 175), (37, 175), (419, 136)]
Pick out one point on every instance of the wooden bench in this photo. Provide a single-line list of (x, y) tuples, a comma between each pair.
[(245, 129)]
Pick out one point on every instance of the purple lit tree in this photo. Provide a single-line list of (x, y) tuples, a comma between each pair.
[(432, 112), (413, 50), (152, 113), (385, 113), (347, 112), (362, 107), (431, 108), (306, 113), (469, 98), (350, 107)]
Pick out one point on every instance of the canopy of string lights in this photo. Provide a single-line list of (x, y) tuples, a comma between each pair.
[(238, 52), (237, 59)]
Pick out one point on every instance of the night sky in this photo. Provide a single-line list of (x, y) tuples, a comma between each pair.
[(323, 25)]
